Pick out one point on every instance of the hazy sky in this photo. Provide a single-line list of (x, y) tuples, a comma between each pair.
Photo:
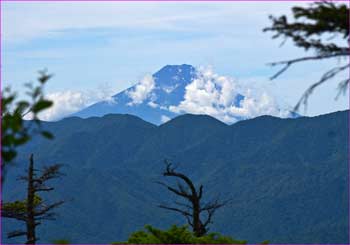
[(98, 49)]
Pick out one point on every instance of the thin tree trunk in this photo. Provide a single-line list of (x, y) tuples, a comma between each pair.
[(30, 204), (196, 220)]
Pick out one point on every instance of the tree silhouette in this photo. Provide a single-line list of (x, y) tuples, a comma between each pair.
[(33, 210), (198, 216), (314, 29)]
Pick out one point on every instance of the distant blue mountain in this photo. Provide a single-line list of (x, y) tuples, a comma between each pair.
[(168, 90)]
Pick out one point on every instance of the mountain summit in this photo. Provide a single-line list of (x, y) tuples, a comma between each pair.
[(180, 89)]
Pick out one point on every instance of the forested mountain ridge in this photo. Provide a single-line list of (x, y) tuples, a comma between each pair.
[(288, 178)]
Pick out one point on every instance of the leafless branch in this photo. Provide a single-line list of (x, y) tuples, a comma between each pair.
[(176, 210), (183, 205), (50, 172), (43, 188), (342, 87), (171, 172), (45, 208), (177, 192), (13, 214), (16, 233), (328, 75), (288, 63)]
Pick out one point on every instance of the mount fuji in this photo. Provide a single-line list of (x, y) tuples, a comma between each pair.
[(181, 89)]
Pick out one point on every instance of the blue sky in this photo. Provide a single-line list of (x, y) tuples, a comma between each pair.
[(98, 49)]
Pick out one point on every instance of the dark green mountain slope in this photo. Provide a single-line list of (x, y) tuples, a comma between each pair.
[(288, 178)]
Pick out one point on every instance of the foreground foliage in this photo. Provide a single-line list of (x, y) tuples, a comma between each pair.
[(15, 131), (61, 241), (177, 235)]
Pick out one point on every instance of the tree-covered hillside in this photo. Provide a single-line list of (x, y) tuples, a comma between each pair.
[(287, 178)]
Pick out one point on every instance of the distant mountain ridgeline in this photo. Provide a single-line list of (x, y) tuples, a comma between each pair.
[(288, 178)]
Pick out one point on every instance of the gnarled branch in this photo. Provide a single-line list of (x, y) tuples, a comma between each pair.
[(192, 211)]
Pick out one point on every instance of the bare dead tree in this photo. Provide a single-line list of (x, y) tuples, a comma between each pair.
[(198, 216), (33, 210)]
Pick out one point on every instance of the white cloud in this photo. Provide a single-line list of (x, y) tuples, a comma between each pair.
[(65, 103), (142, 90), (153, 104), (164, 118), (215, 95), (69, 101)]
